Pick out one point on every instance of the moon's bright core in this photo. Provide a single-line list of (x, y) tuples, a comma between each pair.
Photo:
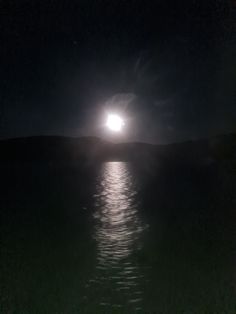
[(114, 122)]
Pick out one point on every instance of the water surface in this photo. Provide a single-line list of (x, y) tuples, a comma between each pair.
[(117, 238), (118, 231)]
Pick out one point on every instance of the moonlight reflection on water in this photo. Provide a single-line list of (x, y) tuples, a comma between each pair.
[(118, 230)]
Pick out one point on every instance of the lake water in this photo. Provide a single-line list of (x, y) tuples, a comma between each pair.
[(118, 231), (117, 238)]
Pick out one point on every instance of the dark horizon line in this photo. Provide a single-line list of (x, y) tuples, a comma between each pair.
[(115, 143)]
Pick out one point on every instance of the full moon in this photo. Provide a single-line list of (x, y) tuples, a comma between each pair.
[(114, 122)]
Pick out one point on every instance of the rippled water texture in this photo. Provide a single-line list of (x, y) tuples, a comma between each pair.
[(117, 238), (118, 230)]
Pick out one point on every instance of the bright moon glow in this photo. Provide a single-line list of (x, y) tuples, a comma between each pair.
[(114, 122)]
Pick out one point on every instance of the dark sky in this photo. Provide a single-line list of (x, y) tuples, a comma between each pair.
[(168, 66)]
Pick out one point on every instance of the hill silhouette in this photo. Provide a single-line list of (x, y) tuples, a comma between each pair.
[(59, 149)]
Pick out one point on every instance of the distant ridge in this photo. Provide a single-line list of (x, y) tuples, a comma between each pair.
[(92, 149)]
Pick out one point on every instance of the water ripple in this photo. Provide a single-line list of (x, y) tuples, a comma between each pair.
[(118, 230)]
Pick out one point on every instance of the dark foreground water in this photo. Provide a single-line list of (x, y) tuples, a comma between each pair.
[(117, 238)]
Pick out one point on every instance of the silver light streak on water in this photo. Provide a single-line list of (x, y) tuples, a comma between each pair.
[(118, 230)]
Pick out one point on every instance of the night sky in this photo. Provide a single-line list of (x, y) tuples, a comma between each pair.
[(168, 67)]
